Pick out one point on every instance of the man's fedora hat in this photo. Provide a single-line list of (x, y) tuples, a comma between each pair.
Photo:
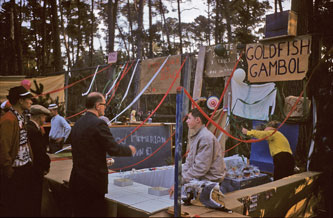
[(18, 92)]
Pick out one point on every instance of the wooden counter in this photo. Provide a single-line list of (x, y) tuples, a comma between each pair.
[(286, 196)]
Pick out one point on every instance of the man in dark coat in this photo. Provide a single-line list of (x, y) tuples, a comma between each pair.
[(41, 162), (91, 140)]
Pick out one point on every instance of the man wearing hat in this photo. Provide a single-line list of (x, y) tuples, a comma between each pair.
[(60, 129), (41, 162), (15, 156)]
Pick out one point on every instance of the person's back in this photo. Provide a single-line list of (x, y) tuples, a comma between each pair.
[(89, 153), (91, 140), (279, 149)]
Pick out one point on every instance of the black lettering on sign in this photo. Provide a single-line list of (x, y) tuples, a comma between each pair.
[(295, 47), (249, 53), (272, 50), (252, 72), (292, 65), (278, 60), (258, 52), (272, 67), (298, 70), (282, 69), (263, 69)]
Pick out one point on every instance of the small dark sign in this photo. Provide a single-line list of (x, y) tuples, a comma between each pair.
[(217, 66)]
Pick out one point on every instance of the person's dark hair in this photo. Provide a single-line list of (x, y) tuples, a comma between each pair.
[(275, 124), (92, 99), (261, 126), (16, 93), (196, 113)]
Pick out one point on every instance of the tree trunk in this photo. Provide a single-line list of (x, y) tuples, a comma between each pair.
[(226, 4), (68, 52), (124, 40), (130, 23), (56, 37), (91, 50), (139, 53), (151, 54), (43, 53), (12, 66), (112, 16), (217, 21), (17, 23), (180, 29), (166, 27), (208, 15), (79, 36), (35, 32)]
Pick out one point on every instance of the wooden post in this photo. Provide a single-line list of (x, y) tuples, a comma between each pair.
[(199, 73)]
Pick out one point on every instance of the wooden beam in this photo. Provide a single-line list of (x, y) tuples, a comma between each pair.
[(199, 73)]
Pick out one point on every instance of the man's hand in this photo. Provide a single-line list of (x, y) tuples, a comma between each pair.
[(133, 149), (171, 190), (244, 131), (109, 161)]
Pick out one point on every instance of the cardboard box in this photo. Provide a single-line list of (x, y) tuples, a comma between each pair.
[(281, 24), (158, 191), (229, 185), (123, 182)]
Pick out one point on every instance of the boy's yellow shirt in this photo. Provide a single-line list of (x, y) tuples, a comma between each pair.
[(277, 142)]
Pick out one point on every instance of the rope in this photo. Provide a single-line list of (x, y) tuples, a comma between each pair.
[(162, 100), (149, 155), (91, 83), (232, 147), (113, 84), (226, 87), (130, 83), (84, 110), (225, 132), (116, 87), (142, 91), (76, 114), (72, 84)]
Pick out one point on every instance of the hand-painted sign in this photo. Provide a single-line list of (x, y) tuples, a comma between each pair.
[(164, 79), (217, 66), (112, 58), (279, 60), (146, 140)]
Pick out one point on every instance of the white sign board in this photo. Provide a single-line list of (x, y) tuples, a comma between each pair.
[(112, 57)]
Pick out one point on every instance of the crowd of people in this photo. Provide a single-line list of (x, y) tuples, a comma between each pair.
[(24, 160)]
